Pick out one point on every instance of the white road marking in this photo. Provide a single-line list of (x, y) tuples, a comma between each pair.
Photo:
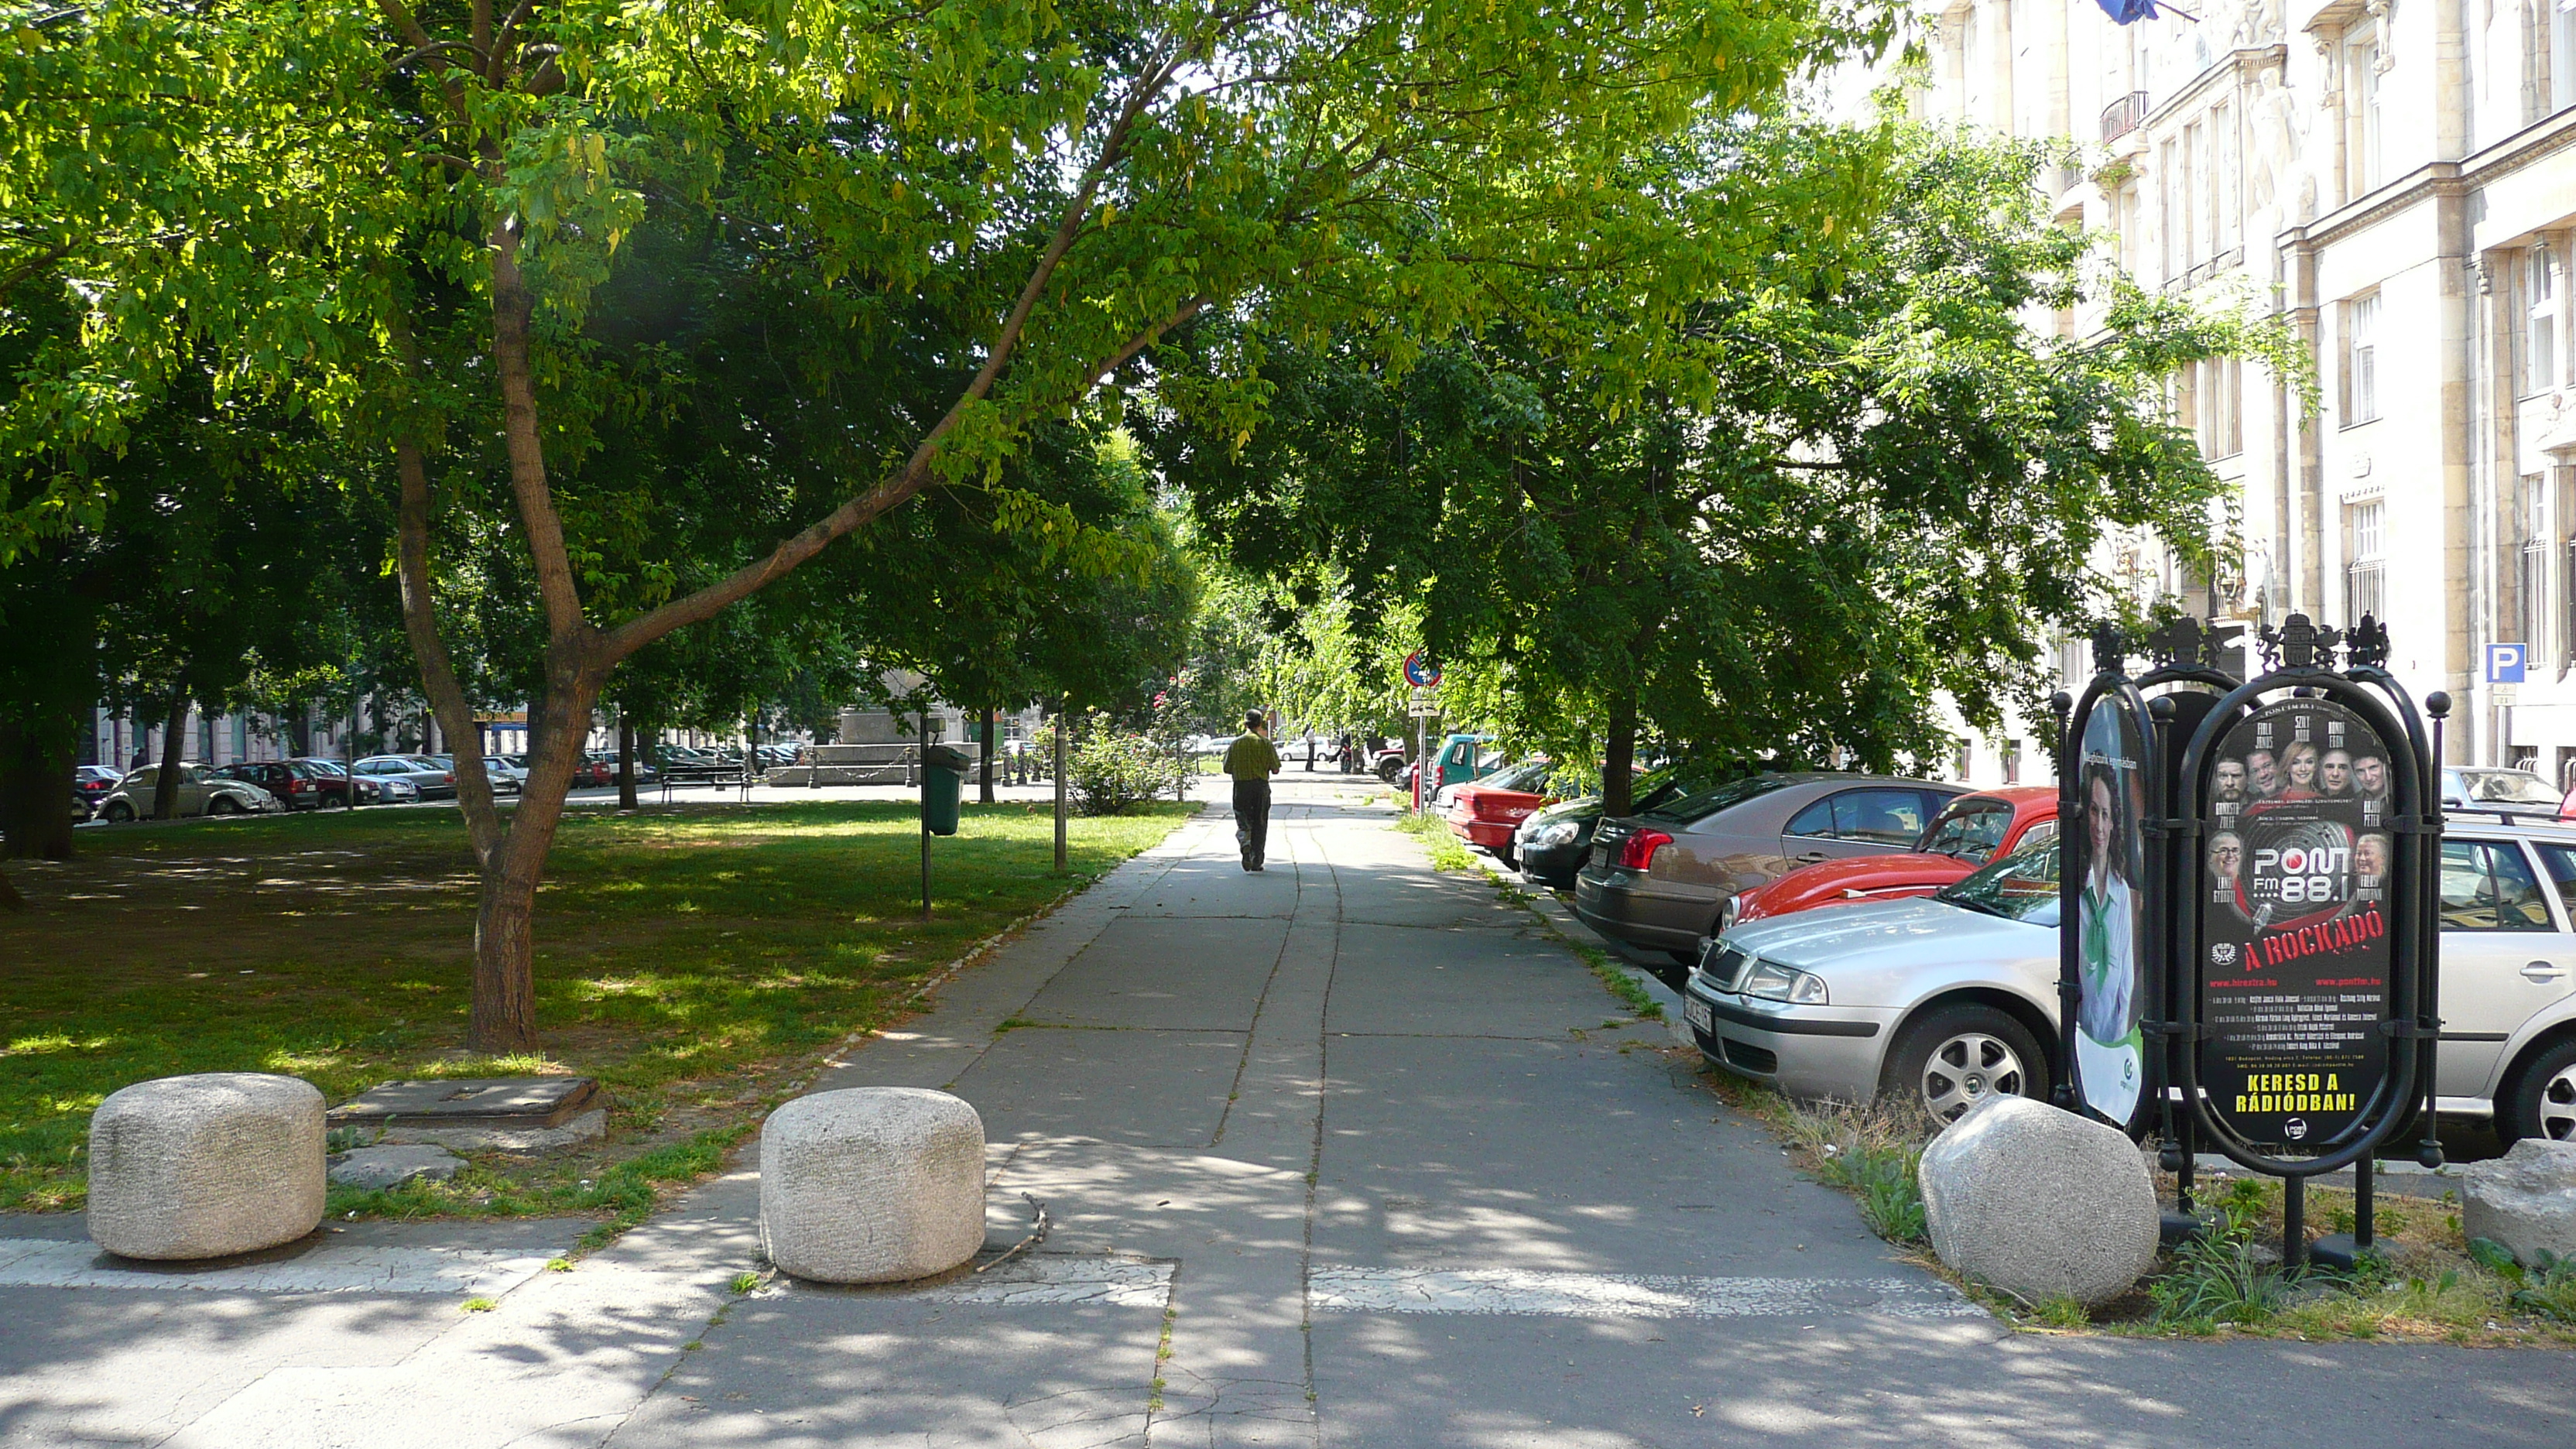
[(1608, 1295), (1045, 1279), (328, 1268)]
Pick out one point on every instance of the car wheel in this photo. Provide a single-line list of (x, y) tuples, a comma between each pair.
[(1950, 1059), (118, 812), (2542, 1101), (223, 805)]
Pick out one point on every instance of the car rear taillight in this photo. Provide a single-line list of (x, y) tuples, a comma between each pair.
[(1637, 852), (449, 777)]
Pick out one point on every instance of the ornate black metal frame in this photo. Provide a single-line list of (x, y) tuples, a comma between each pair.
[(2110, 681)]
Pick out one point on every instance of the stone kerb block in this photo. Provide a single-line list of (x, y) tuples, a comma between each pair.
[(205, 1166), (2524, 1200), (2039, 1203), (872, 1185)]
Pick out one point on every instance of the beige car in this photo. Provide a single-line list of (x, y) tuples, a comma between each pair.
[(1660, 878), (200, 793)]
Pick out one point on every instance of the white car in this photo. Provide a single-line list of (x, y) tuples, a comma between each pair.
[(1954, 995), (201, 792)]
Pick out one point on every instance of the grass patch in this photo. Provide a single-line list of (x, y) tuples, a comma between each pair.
[(697, 959), (1436, 837), (2432, 1286)]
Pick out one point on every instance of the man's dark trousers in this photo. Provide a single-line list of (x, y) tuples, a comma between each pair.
[(1252, 819)]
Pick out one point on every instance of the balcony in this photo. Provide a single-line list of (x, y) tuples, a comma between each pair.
[(2124, 115)]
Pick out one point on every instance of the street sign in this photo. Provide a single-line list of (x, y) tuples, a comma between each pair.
[(2505, 662), (1419, 671)]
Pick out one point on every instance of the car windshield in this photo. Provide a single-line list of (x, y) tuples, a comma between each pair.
[(1970, 829), (2503, 787), (1528, 775), (2020, 887), (323, 767), (1697, 804)]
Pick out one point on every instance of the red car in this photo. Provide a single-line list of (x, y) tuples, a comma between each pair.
[(1486, 813), (1970, 831)]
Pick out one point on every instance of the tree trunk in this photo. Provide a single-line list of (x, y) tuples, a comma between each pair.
[(625, 759), (987, 794), (174, 748), (504, 1017), (1618, 762), (36, 790), (437, 673)]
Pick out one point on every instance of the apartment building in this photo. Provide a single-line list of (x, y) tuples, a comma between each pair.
[(2397, 178)]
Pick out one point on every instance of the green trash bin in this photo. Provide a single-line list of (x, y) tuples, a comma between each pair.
[(943, 772)]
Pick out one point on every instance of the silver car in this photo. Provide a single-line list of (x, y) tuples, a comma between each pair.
[(201, 792), (1953, 996)]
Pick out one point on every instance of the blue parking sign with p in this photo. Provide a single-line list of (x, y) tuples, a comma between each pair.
[(2505, 663)]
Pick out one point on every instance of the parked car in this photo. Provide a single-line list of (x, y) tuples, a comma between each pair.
[(335, 780), (2466, 787), (1950, 996), (434, 782), (298, 784), (1485, 813), (1969, 831), (91, 784), (201, 792), (1460, 757), (1659, 879), (1553, 843), (1954, 995), (506, 778)]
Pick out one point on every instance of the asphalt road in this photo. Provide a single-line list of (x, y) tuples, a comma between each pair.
[(1339, 1154)]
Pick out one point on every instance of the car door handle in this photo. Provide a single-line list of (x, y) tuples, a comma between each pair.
[(1811, 857), (2543, 971)]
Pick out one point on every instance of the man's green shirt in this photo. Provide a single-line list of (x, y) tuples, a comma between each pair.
[(1251, 757)]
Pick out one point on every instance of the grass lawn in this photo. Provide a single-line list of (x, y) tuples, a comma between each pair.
[(698, 960)]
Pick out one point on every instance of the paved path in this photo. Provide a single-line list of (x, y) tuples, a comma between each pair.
[(1345, 1153)]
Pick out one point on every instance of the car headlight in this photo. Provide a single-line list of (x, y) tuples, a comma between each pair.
[(1774, 982), (1555, 832)]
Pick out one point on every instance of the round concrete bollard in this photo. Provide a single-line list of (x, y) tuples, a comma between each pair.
[(205, 1166), (872, 1185), (2039, 1203)]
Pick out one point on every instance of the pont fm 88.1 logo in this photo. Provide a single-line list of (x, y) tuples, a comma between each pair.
[(2302, 865)]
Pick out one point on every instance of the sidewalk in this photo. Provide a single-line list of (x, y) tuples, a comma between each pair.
[(1345, 1153)]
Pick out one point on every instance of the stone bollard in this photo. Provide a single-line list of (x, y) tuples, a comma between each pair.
[(205, 1166), (2524, 1201), (2040, 1203), (872, 1185)]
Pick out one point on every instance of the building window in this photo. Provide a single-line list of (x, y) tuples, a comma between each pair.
[(2012, 762), (2217, 420), (2540, 320), (2361, 359), (2364, 591), (2537, 607), (2169, 220), (2558, 55), (2361, 71)]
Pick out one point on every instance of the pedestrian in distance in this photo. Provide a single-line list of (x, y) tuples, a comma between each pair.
[(1252, 760)]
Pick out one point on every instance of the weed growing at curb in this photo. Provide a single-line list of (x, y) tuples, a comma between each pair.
[(477, 1305)]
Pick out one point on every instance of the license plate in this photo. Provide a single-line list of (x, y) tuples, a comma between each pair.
[(1696, 1012)]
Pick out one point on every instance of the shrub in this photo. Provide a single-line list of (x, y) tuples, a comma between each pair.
[(1112, 769)]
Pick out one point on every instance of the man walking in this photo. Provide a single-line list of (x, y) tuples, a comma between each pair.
[(1252, 760)]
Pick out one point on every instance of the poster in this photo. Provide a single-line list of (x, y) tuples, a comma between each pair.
[(2294, 947), (2109, 845)]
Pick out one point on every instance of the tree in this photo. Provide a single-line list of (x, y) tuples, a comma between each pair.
[(1833, 489), (1066, 187)]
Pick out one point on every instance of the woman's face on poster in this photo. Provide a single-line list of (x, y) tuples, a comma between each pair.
[(2336, 771), (2097, 821), (2228, 780), (2303, 767), (2226, 857), (2264, 772)]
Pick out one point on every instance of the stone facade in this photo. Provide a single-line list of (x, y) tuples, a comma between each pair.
[(2398, 180)]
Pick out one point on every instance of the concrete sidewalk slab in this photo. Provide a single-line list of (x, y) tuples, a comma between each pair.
[(1338, 1153)]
